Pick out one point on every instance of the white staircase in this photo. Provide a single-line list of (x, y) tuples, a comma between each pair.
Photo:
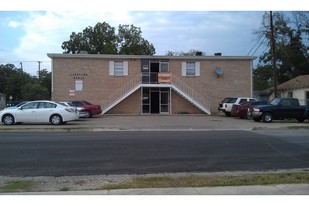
[(177, 85), (190, 94), (120, 94)]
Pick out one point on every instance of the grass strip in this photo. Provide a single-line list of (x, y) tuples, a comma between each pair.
[(17, 186), (210, 181)]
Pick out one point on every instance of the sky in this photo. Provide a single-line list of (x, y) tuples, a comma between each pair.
[(28, 33)]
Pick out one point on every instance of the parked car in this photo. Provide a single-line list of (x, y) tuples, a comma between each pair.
[(81, 110), (89, 109), (39, 112), (222, 103), (228, 103), (280, 108), (17, 105), (244, 109), (235, 109)]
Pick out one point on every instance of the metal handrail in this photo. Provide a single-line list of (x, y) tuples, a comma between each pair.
[(184, 87), (115, 96)]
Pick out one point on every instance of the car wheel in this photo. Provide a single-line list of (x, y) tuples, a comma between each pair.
[(8, 119), (267, 117), (88, 114), (56, 119)]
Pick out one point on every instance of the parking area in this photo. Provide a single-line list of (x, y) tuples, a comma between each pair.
[(157, 123)]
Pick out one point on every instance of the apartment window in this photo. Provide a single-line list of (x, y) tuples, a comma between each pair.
[(164, 67), (118, 68), (190, 69)]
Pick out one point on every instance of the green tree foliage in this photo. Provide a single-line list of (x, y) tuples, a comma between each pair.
[(103, 39), (35, 91), (22, 86), (291, 47)]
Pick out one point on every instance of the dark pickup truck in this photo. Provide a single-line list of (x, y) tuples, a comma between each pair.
[(280, 108)]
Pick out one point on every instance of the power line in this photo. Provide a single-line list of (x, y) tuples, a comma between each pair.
[(255, 45), (259, 46)]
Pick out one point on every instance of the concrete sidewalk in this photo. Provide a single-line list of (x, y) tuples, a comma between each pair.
[(155, 123), (285, 189)]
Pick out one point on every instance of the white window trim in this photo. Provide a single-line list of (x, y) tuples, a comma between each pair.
[(184, 69), (125, 71)]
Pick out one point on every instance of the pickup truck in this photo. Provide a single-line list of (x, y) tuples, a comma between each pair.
[(280, 108)]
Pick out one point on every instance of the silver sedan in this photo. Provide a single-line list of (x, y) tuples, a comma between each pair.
[(39, 112)]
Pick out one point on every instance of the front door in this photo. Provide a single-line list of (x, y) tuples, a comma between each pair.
[(155, 100), (154, 103)]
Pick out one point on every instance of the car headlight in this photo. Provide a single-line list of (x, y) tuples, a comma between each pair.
[(256, 110)]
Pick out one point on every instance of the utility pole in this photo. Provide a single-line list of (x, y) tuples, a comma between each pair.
[(273, 51), (39, 69), (21, 67)]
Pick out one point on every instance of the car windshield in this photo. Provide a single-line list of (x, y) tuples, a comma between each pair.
[(275, 101), (87, 103), (232, 100)]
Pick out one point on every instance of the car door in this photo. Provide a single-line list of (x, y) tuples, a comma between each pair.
[(27, 113), (44, 111), (283, 110)]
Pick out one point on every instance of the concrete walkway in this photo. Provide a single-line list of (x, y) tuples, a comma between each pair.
[(286, 189), (155, 123)]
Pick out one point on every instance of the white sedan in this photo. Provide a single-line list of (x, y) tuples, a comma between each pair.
[(39, 112)]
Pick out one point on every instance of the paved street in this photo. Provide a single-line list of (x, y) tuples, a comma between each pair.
[(142, 152), (286, 143)]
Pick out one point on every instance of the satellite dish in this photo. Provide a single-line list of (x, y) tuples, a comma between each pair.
[(219, 71)]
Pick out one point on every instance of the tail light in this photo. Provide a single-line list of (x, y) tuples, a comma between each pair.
[(70, 109)]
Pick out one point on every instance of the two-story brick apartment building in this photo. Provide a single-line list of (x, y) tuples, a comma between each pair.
[(137, 84)]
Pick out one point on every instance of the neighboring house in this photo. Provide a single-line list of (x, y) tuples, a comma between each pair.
[(297, 88), (2, 100), (138, 84)]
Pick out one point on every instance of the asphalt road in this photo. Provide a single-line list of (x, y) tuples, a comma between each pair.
[(131, 152)]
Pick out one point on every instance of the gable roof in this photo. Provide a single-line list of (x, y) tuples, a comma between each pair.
[(296, 83), (299, 82)]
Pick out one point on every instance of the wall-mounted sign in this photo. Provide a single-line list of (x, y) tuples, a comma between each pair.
[(164, 78), (77, 76)]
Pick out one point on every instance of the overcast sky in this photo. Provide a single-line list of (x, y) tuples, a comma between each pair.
[(27, 35)]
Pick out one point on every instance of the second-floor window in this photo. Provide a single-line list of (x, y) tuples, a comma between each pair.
[(190, 69), (118, 68)]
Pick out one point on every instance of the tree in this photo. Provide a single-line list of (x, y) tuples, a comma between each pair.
[(103, 39), (22, 86), (35, 91), (45, 81), (94, 40), (130, 41), (291, 52)]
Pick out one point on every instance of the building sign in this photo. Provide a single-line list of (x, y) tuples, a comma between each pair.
[(78, 76), (78, 85), (164, 78), (71, 93)]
